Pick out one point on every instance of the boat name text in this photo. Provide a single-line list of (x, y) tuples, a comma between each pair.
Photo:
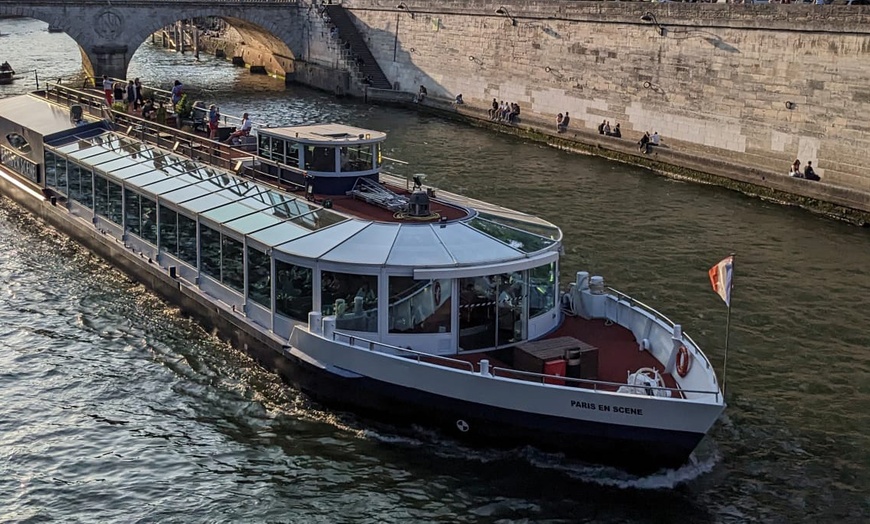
[(606, 407), (19, 164)]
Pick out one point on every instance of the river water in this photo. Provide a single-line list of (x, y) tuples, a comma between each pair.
[(114, 407)]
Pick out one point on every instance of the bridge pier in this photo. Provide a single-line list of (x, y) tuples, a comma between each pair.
[(108, 59)]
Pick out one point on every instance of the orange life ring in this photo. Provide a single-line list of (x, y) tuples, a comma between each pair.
[(683, 361)]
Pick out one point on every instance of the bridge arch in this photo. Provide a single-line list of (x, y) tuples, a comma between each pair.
[(109, 34)]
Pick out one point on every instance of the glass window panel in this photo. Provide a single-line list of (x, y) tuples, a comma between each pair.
[(119, 163), (75, 182), (61, 167), (115, 204), (420, 306), (253, 222), (293, 154), (232, 264), (205, 202), (278, 234), (210, 251), (378, 159), (132, 216), (320, 158), (260, 277), (319, 219), (149, 219), (87, 187), (78, 145), (169, 184), (263, 147), (187, 239), (50, 169), (101, 196), (520, 221), (228, 212), (542, 289), (353, 299), (294, 296), (132, 171), (168, 230), (277, 150), (184, 194), (356, 158), (516, 238)]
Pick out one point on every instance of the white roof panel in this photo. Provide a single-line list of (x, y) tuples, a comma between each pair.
[(469, 246), (417, 245), (371, 246), (322, 240)]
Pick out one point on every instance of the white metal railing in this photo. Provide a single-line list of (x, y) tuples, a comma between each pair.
[(595, 385), (380, 346), (649, 309)]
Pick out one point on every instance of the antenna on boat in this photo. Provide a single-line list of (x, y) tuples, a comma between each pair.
[(722, 280)]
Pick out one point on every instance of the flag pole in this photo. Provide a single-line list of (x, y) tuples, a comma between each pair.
[(728, 326)]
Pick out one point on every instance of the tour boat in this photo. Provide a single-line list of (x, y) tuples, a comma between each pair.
[(369, 292)]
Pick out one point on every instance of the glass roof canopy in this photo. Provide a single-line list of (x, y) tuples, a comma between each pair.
[(299, 228)]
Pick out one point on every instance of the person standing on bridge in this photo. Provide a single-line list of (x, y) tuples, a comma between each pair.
[(107, 89), (177, 93)]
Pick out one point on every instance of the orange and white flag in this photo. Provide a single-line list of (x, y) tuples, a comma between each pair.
[(720, 278)]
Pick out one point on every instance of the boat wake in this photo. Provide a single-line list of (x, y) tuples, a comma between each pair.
[(605, 476)]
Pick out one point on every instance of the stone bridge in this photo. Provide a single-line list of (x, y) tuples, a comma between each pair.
[(108, 32)]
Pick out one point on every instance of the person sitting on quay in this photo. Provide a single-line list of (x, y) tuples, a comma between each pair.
[(559, 119), (601, 127), (243, 130), (655, 140), (515, 114), (565, 121), (616, 132), (810, 173), (421, 94), (505, 112), (458, 100), (607, 130), (795, 169), (493, 109)]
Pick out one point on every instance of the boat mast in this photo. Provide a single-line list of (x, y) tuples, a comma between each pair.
[(727, 326)]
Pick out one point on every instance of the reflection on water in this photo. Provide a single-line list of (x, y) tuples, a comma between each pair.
[(115, 405)]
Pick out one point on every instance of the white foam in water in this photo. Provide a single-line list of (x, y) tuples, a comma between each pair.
[(614, 477), (594, 473)]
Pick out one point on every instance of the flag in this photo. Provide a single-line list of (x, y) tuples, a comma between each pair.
[(720, 278)]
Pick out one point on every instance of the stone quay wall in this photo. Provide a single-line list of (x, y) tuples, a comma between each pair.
[(748, 86)]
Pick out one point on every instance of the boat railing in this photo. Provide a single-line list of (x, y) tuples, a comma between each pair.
[(181, 142), (419, 355), (595, 385), (657, 314)]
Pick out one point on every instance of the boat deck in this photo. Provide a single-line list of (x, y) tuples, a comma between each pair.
[(618, 354)]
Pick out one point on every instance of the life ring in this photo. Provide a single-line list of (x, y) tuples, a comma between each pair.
[(684, 361)]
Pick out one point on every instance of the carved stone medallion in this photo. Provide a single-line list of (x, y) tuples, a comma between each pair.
[(108, 24)]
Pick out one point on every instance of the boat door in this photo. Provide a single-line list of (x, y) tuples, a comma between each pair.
[(490, 311)]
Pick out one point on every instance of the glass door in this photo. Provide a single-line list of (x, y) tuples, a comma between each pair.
[(491, 311)]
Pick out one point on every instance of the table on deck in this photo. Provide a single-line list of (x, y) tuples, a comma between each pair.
[(582, 358)]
